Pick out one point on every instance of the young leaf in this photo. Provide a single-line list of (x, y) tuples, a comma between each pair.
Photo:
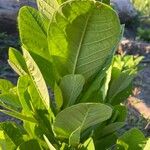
[(83, 116), (5, 86), (51, 147), (89, 144), (85, 39), (71, 86), (17, 61), (47, 7), (37, 78), (32, 31)]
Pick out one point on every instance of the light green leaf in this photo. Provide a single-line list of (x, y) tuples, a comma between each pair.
[(36, 101), (58, 97), (47, 7), (147, 146), (47, 69), (17, 61), (83, 33), (83, 116), (71, 86), (51, 147), (33, 32), (5, 86), (37, 79), (89, 144)]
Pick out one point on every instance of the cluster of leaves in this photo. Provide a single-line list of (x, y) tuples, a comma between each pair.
[(68, 47)]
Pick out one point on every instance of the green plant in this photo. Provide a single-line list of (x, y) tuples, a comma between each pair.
[(65, 49)]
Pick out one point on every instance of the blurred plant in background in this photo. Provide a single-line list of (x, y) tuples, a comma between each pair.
[(143, 7)]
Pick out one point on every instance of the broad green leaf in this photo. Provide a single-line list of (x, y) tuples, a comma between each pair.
[(89, 144), (131, 140), (92, 91), (13, 133), (37, 78), (17, 61), (30, 145), (83, 33), (51, 147), (58, 97), (47, 7), (83, 116), (71, 86), (33, 33), (5, 86)]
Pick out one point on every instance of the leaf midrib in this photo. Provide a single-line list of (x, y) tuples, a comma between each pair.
[(80, 43)]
